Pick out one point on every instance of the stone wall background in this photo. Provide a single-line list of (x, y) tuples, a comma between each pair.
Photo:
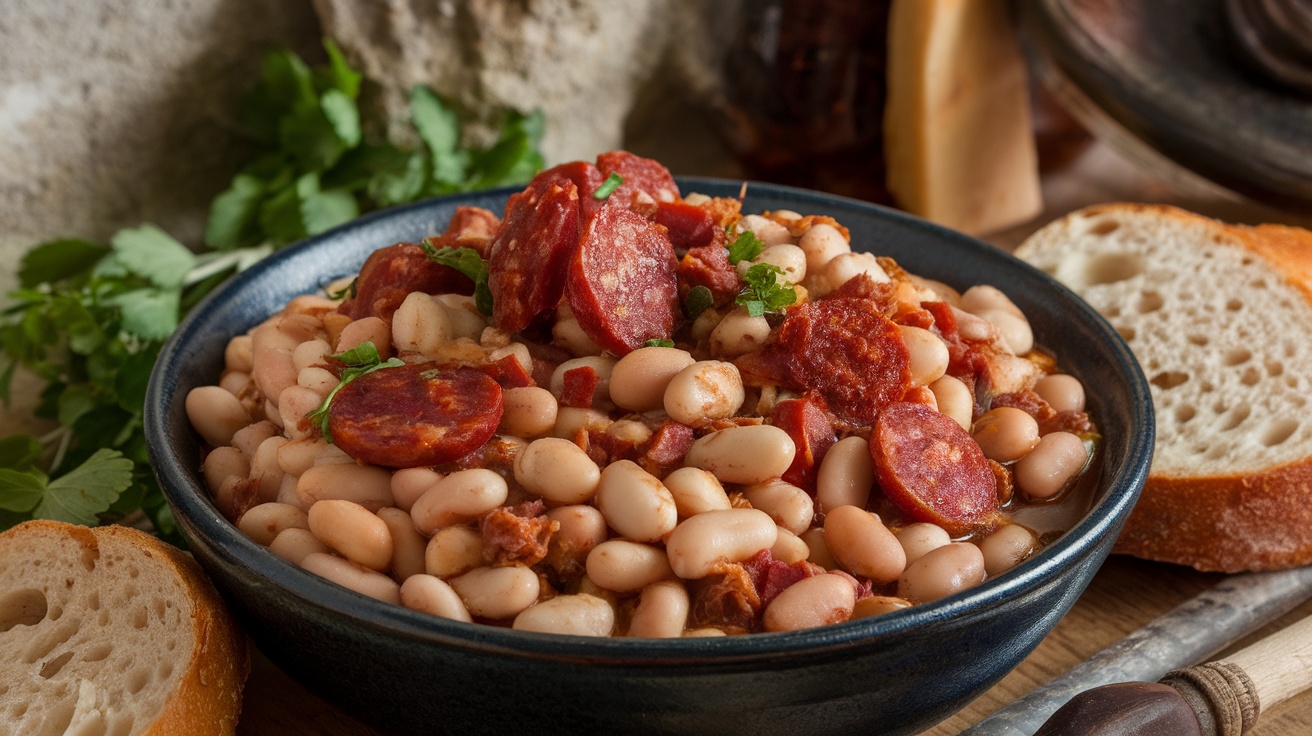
[(120, 113)]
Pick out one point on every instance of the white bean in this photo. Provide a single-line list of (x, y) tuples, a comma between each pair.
[(1006, 547), (239, 354), (266, 471), (766, 230), (954, 400), (319, 380), (625, 567), (1062, 392), (497, 592), (367, 485), (355, 577), (739, 333), (791, 507), (928, 355), (294, 545), (265, 522), (1055, 460), (1006, 433), (789, 548), (696, 491), (819, 553), (846, 475), (983, 297), (408, 484), (409, 547), (787, 258), (571, 420), (463, 315), (635, 503), (452, 551), (878, 605), (747, 454), (580, 529), (216, 414), (700, 543), (433, 596), (819, 600), (862, 545), (248, 439), (366, 329), (311, 353), (638, 381), (460, 497), (822, 243), (1015, 330), (223, 463), (353, 531), (294, 403), (557, 470), (530, 411), (573, 615), (918, 539), (662, 611), (708, 389), (944, 571)]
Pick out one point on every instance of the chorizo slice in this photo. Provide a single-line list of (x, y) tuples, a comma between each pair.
[(645, 182), (415, 415), (531, 250), (813, 433), (931, 469), (844, 351), (390, 274), (622, 285), (470, 227)]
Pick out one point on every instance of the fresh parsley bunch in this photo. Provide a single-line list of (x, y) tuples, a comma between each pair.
[(89, 319)]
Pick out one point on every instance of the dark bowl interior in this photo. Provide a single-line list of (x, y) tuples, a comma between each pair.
[(411, 672)]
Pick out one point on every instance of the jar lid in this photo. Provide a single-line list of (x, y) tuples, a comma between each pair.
[(1169, 73)]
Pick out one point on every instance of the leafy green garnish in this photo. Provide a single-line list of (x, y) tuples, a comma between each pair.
[(609, 186), (77, 496), (468, 262), (764, 291), (346, 292), (699, 300), (746, 247), (360, 360), (88, 320), (658, 343)]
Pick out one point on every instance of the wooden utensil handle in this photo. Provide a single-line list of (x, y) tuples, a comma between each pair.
[(1280, 665)]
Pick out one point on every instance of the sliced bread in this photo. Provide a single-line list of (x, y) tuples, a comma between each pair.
[(1220, 318), (110, 631)]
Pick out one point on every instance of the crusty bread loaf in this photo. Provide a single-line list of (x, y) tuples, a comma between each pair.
[(110, 631), (1220, 318)]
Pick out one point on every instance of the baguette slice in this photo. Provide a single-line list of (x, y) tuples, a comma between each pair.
[(110, 631), (1220, 318)]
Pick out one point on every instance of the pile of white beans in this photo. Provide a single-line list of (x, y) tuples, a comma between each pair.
[(634, 541)]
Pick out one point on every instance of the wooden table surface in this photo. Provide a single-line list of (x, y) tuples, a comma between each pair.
[(1125, 594)]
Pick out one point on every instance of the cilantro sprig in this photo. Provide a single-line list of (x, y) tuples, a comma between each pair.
[(360, 360), (746, 247), (468, 262), (764, 291), (89, 319)]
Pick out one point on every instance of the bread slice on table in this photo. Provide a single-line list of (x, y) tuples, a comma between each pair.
[(1220, 318), (111, 631)]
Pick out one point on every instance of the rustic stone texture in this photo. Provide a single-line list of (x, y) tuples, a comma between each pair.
[(582, 62), (114, 114)]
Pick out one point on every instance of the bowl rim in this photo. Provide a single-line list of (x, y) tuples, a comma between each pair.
[(190, 501)]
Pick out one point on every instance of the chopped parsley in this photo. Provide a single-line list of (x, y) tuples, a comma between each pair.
[(699, 300), (468, 262), (765, 292), (745, 248), (609, 186), (658, 343)]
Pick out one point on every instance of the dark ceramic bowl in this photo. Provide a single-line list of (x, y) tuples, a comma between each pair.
[(415, 673)]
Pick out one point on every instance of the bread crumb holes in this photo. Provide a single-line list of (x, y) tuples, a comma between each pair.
[(1233, 305), (1199, 340), (1279, 431), (25, 607), (52, 668), (1184, 413), (1104, 227), (1169, 379), (1235, 418), (1236, 356), (1150, 301), (1110, 268)]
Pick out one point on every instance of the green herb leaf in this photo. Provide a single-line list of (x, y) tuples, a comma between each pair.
[(346, 292), (609, 186), (235, 214), (341, 112), (468, 262), (699, 300), (340, 75), (746, 247), (89, 489), (19, 451), (658, 343), (59, 260), (149, 313), (154, 254), (360, 360), (436, 124), (21, 491), (765, 292)]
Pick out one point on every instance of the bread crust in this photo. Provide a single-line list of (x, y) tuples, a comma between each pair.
[(208, 697), (1259, 520)]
